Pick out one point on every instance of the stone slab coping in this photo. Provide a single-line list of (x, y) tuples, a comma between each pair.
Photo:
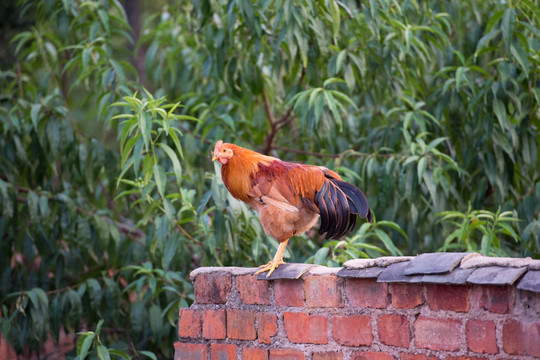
[(438, 268)]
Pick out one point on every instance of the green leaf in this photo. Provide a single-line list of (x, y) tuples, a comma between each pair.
[(388, 243), (161, 178), (507, 26), (103, 352), (421, 168), (500, 112), (87, 340), (320, 256), (174, 159), (148, 354), (34, 115), (521, 56)]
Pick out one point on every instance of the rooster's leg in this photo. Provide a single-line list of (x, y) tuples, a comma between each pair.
[(276, 261)]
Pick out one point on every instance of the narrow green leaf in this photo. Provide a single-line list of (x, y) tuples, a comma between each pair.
[(148, 354), (174, 159), (34, 115), (388, 243), (161, 178), (421, 168), (507, 26), (500, 112), (103, 352), (85, 347)]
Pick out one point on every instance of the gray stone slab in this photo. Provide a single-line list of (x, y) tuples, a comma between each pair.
[(383, 261), (496, 275), (457, 277), (396, 273), (368, 273), (530, 281), (233, 270), (434, 263), (286, 271)]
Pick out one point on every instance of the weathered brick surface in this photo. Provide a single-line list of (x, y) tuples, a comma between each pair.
[(372, 355), (521, 338), (330, 355), (352, 330), (481, 337), (189, 323), (223, 352), (495, 299), (448, 297), (253, 291), (411, 356), (241, 324), (250, 353), (394, 330), (323, 291), (267, 327), (322, 316), (367, 293), (187, 351), (214, 324), (212, 288), (406, 296), (286, 354), (289, 293), (303, 328), (438, 333)]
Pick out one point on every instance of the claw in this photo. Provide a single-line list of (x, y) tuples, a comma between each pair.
[(270, 266), (276, 261)]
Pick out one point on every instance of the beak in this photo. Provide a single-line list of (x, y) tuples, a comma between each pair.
[(214, 158)]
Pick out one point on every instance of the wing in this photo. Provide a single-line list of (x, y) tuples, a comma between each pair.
[(287, 185)]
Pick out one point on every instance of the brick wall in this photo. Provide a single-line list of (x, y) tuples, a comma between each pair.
[(325, 316)]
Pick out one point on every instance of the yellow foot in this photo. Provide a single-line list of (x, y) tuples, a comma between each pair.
[(272, 265)]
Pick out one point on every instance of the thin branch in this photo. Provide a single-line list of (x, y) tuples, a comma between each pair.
[(188, 235), (284, 120)]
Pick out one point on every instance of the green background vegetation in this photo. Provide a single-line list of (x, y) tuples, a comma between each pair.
[(109, 112)]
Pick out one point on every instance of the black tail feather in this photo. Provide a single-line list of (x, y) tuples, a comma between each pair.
[(339, 203)]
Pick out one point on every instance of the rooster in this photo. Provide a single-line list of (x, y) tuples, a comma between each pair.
[(290, 197)]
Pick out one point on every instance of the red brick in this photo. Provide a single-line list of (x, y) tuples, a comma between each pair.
[(352, 330), (466, 358), (323, 291), (367, 293), (372, 355), (448, 297), (409, 356), (302, 328), (223, 352), (406, 296), (286, 354), (438, 333), (190, 351), (289, 293), (520, 338), (212, 288), (267, 327), (214, 324), (496, 299), (241, 324), (481, 337), (394, 330), (254, 354), (327, 356), (253, 291), (189, 323)]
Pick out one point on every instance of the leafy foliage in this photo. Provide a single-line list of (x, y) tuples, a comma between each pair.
[(108, 197)]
